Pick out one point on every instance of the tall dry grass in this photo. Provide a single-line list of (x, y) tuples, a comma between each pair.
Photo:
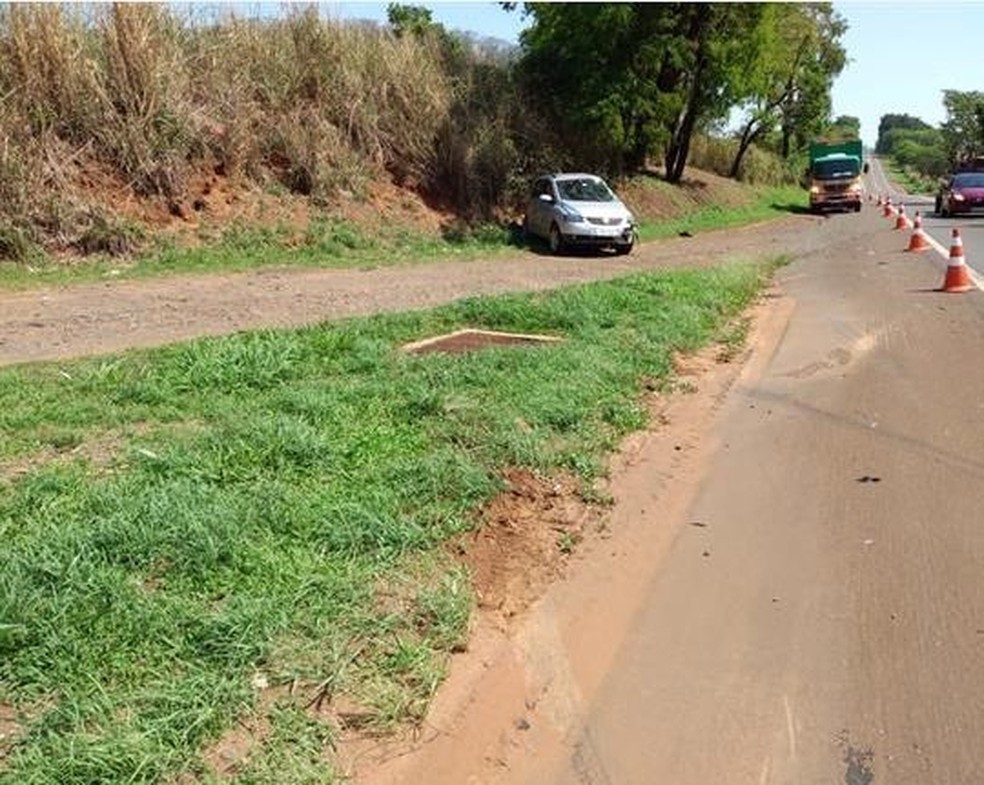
[(150, 97), (758, 166)]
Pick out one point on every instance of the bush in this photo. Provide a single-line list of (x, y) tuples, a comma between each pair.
[(15, 244), (110, 236)]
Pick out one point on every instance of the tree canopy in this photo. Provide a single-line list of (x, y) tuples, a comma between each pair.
[(963, 130), (625, 82)]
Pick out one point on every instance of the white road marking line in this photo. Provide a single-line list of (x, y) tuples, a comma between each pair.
[(790, 728)]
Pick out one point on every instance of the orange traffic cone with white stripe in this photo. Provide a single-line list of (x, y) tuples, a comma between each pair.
[(957, 275), (888, 211), (901, 222), (917, 241)]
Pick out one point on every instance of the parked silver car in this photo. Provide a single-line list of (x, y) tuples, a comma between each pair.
[(568, 209)]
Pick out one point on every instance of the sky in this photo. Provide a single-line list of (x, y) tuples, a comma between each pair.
[(901, 55)]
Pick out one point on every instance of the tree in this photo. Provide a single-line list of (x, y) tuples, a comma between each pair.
[(709, 69), (797, 54), (844, 127), (409, 19), (593, 69), (893, 122), (963, 130)]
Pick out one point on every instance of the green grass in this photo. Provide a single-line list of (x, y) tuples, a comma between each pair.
[(332, 243), (326, 243), (769, 203), (181, 522)]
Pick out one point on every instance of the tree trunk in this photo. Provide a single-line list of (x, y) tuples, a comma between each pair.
[(748, 136), (784, 148), (682, 131), (679, 147)]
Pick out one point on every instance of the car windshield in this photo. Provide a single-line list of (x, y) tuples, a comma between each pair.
[(584, 189), (841, 167), (975, 180)]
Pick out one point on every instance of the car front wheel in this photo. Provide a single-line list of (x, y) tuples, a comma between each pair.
[(556, 240)]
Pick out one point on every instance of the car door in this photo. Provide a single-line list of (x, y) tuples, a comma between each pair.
[(539, 211)]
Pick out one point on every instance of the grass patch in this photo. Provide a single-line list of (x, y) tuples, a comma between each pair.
[(768, 203), (325, 243), (275, 505)]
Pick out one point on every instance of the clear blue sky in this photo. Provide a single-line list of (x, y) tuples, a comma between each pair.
[(902, 54)]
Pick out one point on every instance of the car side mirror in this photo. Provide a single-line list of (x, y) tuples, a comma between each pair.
[(546, 198)]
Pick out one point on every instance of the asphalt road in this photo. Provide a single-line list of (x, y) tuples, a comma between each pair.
[(817, 616), (940, 229)]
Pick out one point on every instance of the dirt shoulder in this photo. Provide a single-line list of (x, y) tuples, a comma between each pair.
[(93, 319)]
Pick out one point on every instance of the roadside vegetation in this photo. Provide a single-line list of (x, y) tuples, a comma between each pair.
[(233, 532), (920, 155), (328, 243), (122, 123)]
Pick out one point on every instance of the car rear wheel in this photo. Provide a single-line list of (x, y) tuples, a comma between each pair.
[(556, 240)]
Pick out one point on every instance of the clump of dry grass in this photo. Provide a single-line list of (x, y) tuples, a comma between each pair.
[(758, 167), (314, 104)]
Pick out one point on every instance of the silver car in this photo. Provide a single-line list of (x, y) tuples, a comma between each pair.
[(578, 209)]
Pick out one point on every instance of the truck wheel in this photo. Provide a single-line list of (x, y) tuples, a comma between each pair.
[(857, 207)]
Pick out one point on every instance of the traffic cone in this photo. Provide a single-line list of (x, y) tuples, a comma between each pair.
[(901, 222), (888, 211), (957, 275), (918, 241)]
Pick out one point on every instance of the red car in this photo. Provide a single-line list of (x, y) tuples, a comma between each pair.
[(963, 193)]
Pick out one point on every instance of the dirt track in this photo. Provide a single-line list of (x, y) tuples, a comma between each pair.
[(92, 319)]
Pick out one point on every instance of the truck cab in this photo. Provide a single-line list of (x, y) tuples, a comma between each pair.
[(835, 176)]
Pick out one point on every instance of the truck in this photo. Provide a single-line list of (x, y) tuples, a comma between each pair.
[(835, 175)]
